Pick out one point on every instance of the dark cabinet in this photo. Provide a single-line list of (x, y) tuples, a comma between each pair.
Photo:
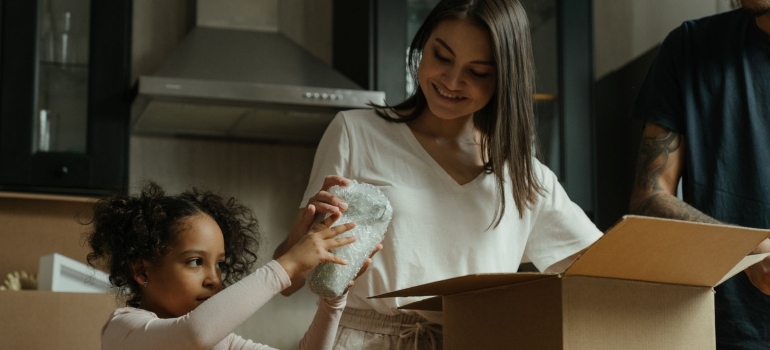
[(371, 37), (65, 74)]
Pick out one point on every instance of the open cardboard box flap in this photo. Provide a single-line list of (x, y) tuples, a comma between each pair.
[(669, 251), (636, 248)]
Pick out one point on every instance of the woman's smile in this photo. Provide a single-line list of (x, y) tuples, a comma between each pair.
[(447, 94)]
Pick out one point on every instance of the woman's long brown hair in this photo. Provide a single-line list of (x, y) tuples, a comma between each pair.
[(507, 122)]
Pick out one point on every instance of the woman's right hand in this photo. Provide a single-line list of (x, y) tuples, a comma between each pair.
[(313, 248), (324, 201)]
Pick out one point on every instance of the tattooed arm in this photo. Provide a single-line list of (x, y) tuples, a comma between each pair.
[(658, 170)]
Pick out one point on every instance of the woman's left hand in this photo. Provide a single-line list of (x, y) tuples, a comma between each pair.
[(365, 266)]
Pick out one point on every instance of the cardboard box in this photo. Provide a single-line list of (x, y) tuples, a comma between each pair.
[(646, 284), (32, 226), (35, 225), (53, 320)]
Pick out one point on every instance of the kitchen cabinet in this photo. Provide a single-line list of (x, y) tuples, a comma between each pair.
[(65, 97), (371, 38)]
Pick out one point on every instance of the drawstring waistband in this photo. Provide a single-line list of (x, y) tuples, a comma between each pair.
[(420, 329), (408, 328)]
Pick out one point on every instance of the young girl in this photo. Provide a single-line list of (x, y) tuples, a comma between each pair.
[(173, 256), (456, 160)]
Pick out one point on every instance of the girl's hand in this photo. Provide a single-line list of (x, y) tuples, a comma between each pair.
[(313, 248), (327, 204), (318, 207)]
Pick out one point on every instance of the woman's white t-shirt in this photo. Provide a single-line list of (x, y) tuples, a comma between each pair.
[(441, 229)]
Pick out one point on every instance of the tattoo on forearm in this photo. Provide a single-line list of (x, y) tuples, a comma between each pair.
[(664, 205), (653, 155)]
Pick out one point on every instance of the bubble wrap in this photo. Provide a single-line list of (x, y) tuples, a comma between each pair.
[(371, 211)]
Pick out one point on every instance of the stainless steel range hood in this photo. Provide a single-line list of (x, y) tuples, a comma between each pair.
[(244, 84)]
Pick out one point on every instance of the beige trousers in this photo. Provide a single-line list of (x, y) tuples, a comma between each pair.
[(368, 329)]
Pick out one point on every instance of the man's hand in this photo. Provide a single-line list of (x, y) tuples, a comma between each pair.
[(759, 273)]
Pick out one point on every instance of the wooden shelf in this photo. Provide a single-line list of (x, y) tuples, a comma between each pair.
[(544, 97), (48, 197)]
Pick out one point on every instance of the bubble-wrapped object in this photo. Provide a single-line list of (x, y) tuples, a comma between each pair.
[(371, 211)]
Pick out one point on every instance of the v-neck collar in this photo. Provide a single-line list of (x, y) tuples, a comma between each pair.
[(421, 152)]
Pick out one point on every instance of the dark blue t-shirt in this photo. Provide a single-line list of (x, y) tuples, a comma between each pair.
[(711, 83)]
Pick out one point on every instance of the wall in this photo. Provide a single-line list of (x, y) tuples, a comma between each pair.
[(626, 29), (268, 177)]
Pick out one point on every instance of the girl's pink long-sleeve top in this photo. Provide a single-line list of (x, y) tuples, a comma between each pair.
[(211, 324)]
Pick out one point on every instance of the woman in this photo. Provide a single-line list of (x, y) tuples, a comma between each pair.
[(456, 160)]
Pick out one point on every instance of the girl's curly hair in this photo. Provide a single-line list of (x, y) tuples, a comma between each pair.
[(128, 229)]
